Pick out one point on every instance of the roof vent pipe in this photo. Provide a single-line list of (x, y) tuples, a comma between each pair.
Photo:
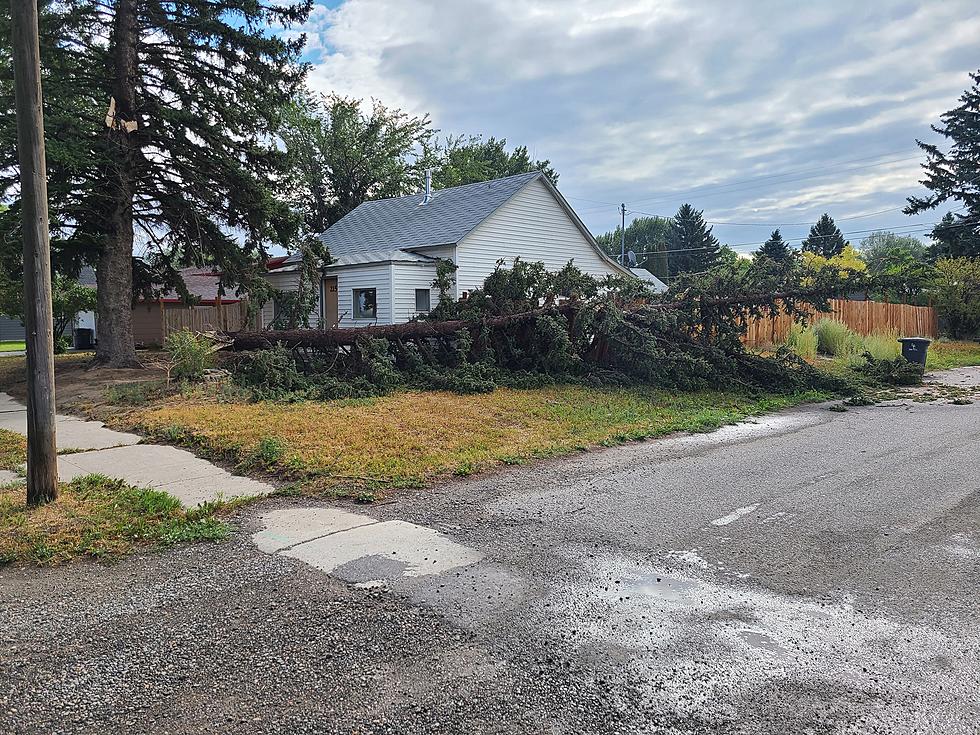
[(428, 186)]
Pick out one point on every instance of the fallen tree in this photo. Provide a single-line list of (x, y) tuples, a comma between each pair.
[(528, 325)]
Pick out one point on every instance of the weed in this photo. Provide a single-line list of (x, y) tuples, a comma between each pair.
[(97, 516), (270, 450), (136, 394), (191, 354), (13, 449), (802, 340), (837, 408), (835, 339)]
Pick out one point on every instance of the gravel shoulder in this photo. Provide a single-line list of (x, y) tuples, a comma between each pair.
[(808, 572)]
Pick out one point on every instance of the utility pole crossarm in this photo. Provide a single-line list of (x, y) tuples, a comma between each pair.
[(42, 455)]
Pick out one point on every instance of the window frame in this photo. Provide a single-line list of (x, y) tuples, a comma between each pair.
[(428, 300), (356, 304)]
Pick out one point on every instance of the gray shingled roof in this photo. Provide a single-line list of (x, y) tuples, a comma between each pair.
[(404, 223)]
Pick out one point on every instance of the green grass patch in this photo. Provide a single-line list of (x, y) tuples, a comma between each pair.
[(13, 449), (947, 354), (12, 346), (409, 439), (95, 516)]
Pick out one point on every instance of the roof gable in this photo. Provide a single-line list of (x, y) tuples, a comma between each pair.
[(405, 223)]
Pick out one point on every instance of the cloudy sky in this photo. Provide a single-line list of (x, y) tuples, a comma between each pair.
[(760, 113)]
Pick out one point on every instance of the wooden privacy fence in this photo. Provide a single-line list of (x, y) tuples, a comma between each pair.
[(863, 317), (221, 318)]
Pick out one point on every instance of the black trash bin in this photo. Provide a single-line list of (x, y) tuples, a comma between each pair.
[(914, 349), (83, 339)]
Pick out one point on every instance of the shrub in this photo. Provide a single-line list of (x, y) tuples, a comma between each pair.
[(834, 338), (883, 345), (191, 354), (802, 340)]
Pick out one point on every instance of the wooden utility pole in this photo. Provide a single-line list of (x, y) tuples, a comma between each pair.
[(42, 455)]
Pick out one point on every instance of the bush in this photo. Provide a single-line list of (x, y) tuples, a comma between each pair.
[(883, 345), (191, 354), (835, 339), (802, 340)]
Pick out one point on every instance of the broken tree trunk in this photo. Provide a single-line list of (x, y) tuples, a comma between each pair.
[(327, 338), (330, 338)]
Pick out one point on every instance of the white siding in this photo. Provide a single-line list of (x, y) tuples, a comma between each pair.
[(532, 225), (378, 277), (407, 278)]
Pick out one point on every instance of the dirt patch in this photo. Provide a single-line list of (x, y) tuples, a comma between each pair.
[(79, 387)]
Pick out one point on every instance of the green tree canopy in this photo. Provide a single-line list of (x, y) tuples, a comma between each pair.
[(470, 160), (954, 176), (897, 266), (161, 120), (692, 248), (825, 238), (646, 237), (342, 154), (775, 248), (952, 238)]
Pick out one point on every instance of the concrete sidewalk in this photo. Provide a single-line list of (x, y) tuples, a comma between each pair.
[(180, 473)]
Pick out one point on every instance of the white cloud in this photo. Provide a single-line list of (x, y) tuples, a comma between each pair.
[(635, 99)]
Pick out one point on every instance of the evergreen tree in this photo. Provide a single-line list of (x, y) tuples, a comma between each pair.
[(471, 160), (955, 176), (825, 238), (169, 113), (776, 248), (954, 238), (692, 248)]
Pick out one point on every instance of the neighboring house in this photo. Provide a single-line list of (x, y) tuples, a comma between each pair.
[(11, 330), (154, 320), (385, 251)]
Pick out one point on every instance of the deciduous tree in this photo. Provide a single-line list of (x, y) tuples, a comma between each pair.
[(470, 160)]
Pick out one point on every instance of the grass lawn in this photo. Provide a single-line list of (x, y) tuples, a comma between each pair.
[(98, 517), (13, 449), (945, 355), (410, 438), (12, 346)]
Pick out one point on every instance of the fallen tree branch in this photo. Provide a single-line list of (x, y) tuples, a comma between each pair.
[(417, 330)]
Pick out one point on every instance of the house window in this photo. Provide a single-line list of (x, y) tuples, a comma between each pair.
[(365, 303), (422, 296)]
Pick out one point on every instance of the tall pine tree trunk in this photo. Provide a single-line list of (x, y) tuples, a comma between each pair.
[(114, 274)]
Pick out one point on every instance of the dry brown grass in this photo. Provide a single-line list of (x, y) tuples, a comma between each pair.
[(411, 438)]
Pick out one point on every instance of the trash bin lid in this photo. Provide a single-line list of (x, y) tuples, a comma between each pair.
[(915, 339)]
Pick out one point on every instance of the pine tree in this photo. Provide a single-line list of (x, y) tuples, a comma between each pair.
[(825, 238), (775, 248), (174, 116), (691, 246), (951, 238), (955, 176)]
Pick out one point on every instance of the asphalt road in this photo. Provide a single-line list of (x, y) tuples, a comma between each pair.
[(815, 572)]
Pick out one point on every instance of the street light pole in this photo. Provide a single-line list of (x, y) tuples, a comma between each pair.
[(42, 455)]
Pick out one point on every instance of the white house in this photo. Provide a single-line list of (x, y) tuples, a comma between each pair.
[(385, 251)]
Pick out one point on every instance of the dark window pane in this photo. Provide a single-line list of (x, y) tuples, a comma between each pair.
[(422, 299)]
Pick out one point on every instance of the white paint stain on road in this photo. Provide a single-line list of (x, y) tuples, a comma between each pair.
[(735, 515)]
